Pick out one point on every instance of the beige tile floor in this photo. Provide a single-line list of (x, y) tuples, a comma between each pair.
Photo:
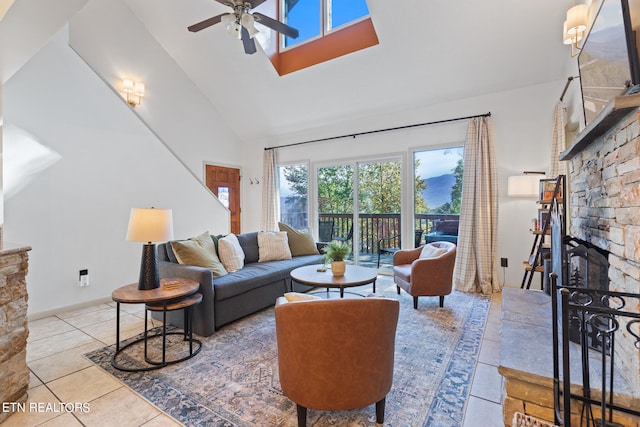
[(59, 372)]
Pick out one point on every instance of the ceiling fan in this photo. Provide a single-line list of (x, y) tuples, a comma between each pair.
[(240, 23)]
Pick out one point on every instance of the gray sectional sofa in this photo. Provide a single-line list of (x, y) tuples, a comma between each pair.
[(227, 298)]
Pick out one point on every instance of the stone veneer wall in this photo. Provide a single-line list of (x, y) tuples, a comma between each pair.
[(605, 210), (14, 374)]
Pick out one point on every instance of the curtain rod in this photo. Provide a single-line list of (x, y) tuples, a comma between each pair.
[(566, 85), (353, 135)]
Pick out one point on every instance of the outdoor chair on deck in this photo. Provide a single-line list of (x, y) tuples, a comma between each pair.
[(336, 354), (381, 250), (325, 231), (345, 239)]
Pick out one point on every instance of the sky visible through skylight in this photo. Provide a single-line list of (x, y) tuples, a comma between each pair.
[(305, 16)]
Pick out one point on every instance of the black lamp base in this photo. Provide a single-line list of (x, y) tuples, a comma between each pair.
[(149, 278)]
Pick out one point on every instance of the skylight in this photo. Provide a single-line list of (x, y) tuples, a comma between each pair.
[(316, 18), (328, 29)]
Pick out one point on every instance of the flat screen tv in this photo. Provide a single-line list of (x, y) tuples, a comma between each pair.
[(608, 61)]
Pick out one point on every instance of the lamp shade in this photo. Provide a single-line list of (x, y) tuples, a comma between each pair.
[(570, 38), (524, 185), (150, 225), (139, 89), (127, 85), (577, 19)]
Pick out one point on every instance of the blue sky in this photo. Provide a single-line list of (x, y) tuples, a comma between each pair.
[(438, 162), (305, 16)]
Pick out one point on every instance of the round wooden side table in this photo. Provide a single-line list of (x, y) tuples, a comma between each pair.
[(185, 304), (169, 292)]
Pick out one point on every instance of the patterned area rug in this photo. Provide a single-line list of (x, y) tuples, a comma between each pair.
[(234, 379)]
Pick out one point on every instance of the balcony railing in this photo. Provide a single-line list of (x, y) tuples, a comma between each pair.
[(373, 227)]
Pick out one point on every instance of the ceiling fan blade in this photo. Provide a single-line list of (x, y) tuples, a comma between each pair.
[(255, 3), (276, 25), (248, 42), (205, 24)]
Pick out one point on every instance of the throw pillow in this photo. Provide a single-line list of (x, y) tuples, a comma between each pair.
[(231, 253), (273, 246), (249, 244), (199, 251), (215, 242), (300, 242), (431, 251), (298, 296)]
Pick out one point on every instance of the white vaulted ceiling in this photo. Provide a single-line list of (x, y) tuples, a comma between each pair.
[(430, 52)]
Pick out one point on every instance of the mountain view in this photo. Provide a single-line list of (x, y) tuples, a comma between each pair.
[(438, 191)]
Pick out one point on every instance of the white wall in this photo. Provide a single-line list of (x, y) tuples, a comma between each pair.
[(522, 121), (117, 45), (103, 161)]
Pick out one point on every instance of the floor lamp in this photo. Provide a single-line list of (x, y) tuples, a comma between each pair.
[(149, 225)]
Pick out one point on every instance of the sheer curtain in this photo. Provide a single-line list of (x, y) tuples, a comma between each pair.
[(476, 269), (270, 206), (558, 142)]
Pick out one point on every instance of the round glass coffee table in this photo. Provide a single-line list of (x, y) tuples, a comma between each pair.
[(355, 275)]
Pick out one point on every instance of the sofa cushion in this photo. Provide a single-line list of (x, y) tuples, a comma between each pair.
[(249, 244), (258, 274), (170, 254), (230, 252), (300, 242), (299, 296), (273, 246), (403, 272), (199, 251)]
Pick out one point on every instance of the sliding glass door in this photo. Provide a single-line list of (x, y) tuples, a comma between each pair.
[(360, 202), (335, 203), (438, 193)]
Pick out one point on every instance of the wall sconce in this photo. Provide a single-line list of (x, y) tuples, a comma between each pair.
[(134, 91), (525, 185), (574, 27)]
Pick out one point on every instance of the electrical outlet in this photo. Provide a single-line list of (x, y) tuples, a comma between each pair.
[(84, 278), (504, 262)]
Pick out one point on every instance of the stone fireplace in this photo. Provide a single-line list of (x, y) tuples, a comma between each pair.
[(14, 374), (603, 212)]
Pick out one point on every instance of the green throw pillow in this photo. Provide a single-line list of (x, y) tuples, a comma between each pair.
[(199, 251), (300, 242)]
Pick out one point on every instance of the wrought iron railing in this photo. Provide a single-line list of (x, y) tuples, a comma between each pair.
[(612, 322)]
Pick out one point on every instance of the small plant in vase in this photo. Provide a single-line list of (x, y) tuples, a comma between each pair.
[(335, 252)]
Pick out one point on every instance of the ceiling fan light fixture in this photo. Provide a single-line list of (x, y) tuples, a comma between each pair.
[(241, 24), (247, 22), (236, 30), (228, 19)]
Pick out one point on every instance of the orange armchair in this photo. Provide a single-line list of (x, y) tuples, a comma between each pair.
[(425, 276), (336, 354)]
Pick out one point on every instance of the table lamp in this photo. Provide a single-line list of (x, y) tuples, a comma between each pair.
[(149, 225)]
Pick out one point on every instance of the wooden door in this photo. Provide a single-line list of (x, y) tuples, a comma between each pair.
[(225, 184)]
